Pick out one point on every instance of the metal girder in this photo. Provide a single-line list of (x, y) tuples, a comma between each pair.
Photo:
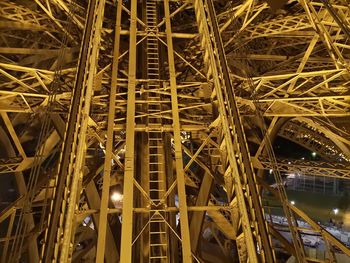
[(68, 181), (22, 190), (277, 26), (327, 106), (25, 89), (180, 173), (271, 92), (67, 8), (321, 19), (233, 133), (272, 89), (313, 140), (46, 7), (19, 17), (324, 81), (94, 201), (298, 80), (304, 167), (128, 189), (101, 240)]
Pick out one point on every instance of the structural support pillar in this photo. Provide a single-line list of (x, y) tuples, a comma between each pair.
[(127, 215), (185, 232), (101, 240)]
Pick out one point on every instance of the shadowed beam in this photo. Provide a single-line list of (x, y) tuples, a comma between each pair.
[(94, 201), (197, 218)]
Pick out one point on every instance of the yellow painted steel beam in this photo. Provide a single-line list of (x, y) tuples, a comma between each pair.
[(103, 220), (180, 174), (303, 167), (76, 168), (61, 220), (95, 202), (19, 17), (128, 190), (215, 71)]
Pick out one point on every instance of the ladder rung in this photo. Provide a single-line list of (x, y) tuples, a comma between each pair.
[(156, 221), (158, 245)]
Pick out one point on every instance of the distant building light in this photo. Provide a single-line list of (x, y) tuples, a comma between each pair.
[(292, 202), (291, 175), (271, 171), (335, 211), (313, 154), (116, 197), (303, 158), (289, 162)]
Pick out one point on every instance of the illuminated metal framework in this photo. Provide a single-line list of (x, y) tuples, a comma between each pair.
[(139, 131)]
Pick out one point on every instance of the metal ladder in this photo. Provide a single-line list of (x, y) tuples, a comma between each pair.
[(158, 243)]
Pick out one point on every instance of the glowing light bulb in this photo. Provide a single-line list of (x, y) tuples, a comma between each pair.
[(116, 197)]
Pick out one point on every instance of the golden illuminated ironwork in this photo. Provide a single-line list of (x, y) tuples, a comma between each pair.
[(137, 131)]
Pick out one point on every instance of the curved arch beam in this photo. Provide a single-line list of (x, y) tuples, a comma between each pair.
[(341, 142)]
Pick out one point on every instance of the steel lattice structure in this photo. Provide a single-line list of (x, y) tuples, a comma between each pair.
[(172, 106)]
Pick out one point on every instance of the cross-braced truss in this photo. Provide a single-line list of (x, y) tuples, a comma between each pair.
[(139, 131)]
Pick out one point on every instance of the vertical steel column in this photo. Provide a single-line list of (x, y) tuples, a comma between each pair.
[(197, 218), (185, 232), (8, 235), (78, 157), (59, 237), (206, 42), (127, 214), (101, 240), (94, 201), (245, 185)]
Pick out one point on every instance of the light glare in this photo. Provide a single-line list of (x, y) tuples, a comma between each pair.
[(116, 197)]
